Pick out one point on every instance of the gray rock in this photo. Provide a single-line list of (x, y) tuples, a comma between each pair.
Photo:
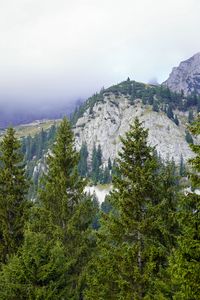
[(185, 77), (112, 118)]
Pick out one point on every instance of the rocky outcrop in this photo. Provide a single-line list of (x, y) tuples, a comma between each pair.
[(112, 117), (185, 77)]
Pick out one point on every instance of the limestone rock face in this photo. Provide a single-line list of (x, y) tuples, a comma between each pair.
[(185, 77), (112, 117)]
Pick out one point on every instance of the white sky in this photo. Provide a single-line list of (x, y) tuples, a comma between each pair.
[(55, 50)]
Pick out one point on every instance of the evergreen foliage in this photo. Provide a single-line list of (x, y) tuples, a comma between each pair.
[(51, 262), (106, 206), (176, 121), (148, 243), (82, 165), (159, 96), (132, 244), (188, 137), (182, 169), (34, 147), (109, 164), (37, 272), (190, 116), (96, 172), (13, 190), (155, 106), (70, 209), (185, 260), (170, 113)]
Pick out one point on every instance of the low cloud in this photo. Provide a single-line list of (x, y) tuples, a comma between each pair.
[(58, 51)]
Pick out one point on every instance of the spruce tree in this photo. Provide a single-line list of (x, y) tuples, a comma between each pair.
[(41, 139), (82, 165), (185, 260), (95, 168), (188, 137), (99, 156), (176, 121), (13, 190), (71, 210), (96, 173), (190, 116), (109, 164), (182, 169), (37, 271), (155, 105), (136, 236), (170, 113)]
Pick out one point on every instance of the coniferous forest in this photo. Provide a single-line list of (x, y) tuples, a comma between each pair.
[(142, 243)]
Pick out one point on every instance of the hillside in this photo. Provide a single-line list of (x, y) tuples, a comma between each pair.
[(33, 128), (107, 115)]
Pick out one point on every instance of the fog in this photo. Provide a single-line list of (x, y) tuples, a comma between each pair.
[(55, 52)]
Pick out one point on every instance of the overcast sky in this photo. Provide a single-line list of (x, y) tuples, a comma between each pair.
[(60, 50)]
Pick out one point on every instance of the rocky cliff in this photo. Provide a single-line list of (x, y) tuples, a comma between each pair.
[(112, 117), (185, 77)]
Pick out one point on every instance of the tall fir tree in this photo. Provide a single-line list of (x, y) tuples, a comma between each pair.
[(170, 113), (37, 271), (82, 165), (71, 210), (136, 236), (58, 239), (13, 191), (96, 172), (182, 169), (185, 260)]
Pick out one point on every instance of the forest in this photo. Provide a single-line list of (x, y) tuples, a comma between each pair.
[(143, 242)]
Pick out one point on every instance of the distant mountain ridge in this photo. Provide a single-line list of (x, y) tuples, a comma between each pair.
[(186, 77)]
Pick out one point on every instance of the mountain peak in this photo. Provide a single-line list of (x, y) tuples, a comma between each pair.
[(185, 77)]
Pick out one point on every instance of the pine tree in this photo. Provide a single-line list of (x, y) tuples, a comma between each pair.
[(28, 155), (96, 173), (95, 223), (82, 165), (109, 164), (52, 133), (190, 117), (99, 156), (188, 137), (182, 170), (106, 206), (170, 113), (106, 176), (37, 271), (95, 168), (176, 121), (41, 139), (155, 106), (13, 190), (184, 262), (136, 237), (71, 210)]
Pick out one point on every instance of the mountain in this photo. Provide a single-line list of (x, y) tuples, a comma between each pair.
[(186, 77), (108, 115), (100, 121)]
